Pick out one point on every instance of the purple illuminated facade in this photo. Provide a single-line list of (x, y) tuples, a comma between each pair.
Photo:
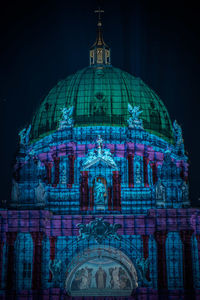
[(100, 197)]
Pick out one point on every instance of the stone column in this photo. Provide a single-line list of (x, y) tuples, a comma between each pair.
[(57, 170), (198, 244), (52, 252), (160, 237), (1, 259), (37, 260), (110, 202), (116, 191), (71, 170), (48, 166), (154, 170), (10, 240), (84, 191), (145, 171), (187, 259), (131, 170), (145, 239)]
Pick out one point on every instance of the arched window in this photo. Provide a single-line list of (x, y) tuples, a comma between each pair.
[(24, 259), (174, 259)]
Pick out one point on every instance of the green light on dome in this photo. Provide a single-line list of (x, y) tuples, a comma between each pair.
[(100, 97)]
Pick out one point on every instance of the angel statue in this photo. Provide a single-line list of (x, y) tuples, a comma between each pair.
[(66, 120), (24, 135), (134, 121)]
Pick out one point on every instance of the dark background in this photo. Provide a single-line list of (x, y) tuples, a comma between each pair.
[(44, 41)]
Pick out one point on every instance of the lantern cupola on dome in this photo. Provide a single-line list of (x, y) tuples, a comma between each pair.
[(99, 52)]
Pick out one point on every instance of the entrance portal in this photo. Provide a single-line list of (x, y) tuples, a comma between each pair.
[(101, 271)]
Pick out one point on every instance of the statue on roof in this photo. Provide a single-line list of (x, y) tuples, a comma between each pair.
[(134, 121), (66, 120), (24, 135), (177, 131)]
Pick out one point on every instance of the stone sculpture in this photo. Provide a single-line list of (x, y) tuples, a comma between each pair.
[(177, 130), (134, 121), (24, 136), (142, 267), (99, 193), (55, 268), (99, 230), (66, 120)]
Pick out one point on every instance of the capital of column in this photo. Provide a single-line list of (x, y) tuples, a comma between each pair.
[(10, 238), (160, 236), (48, 164), (56, 158), (72, 156), (186, 235), (37, 237), (130, 155), (198, 237)]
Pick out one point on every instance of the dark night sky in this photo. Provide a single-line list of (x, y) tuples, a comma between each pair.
[(42, 42)]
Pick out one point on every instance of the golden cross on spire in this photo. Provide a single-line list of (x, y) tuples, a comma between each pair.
[(99, 12)]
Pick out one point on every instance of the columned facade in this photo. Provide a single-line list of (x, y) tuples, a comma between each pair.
[(146, 226)]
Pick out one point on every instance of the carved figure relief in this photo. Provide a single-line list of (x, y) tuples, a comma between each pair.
[(99, 104), (100, 278), (99, 230), (101, 271)]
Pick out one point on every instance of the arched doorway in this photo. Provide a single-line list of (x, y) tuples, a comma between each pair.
[(101, 271)]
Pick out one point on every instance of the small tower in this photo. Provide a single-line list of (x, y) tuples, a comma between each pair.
[(99, 52)]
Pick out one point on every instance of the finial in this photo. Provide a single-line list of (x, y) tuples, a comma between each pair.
[(99, 11)]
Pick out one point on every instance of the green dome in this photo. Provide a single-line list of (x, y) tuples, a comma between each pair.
[(100, 97)]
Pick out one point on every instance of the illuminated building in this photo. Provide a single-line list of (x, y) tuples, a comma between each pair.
[(100, 201)]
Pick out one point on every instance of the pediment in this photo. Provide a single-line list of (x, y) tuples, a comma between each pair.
[(99, 155), (100, 161)]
